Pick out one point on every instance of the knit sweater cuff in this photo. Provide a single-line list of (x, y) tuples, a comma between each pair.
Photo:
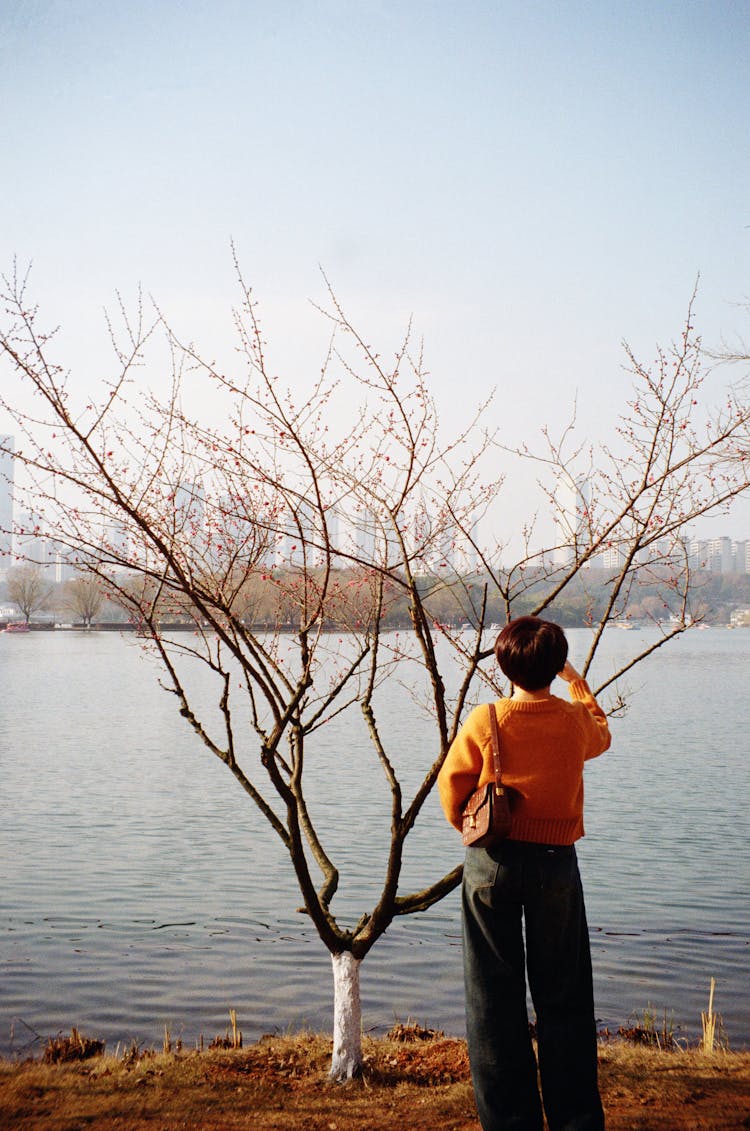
[(579, 689)]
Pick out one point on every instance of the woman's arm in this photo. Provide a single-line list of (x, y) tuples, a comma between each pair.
[(463, 766), (598, 727), (569, 673)]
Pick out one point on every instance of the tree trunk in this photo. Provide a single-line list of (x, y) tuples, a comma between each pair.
[(347, 1017)]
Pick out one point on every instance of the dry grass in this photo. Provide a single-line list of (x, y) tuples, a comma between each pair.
[(75, 1047), (281, 1084), (712, 1025), (683, 1090)]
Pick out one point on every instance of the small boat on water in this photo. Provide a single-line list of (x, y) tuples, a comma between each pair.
[(16, 628)]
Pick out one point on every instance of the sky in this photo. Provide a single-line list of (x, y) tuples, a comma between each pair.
[(531, 182)]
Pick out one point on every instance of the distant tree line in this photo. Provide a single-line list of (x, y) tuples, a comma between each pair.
[(270, 599), (81, 598)]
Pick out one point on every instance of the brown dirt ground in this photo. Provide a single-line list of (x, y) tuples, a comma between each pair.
[(280, 1084)]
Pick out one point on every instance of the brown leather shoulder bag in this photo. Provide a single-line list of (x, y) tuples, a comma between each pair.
[(486, 815)]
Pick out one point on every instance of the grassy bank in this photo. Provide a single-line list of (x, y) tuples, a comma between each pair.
[(280, 1084)]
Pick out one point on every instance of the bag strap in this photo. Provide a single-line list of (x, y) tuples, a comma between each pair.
[(495, 733)]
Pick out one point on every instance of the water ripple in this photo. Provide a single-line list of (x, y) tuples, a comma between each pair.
[(141, 889)]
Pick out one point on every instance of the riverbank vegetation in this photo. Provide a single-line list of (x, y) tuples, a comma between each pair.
[(85, 602), (281, 1083)]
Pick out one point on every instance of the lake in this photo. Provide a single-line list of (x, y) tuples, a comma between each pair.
[(140, 887)]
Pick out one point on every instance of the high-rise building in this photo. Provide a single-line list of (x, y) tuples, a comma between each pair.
[(720, 555), (302, 543), (611, 557), (7, 461), (363, 536), (571, 518), (741, 556), (188, 522), (189, 507), (117, 546), (698, 553)]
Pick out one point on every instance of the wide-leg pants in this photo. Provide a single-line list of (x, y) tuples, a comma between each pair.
[(509, 891)]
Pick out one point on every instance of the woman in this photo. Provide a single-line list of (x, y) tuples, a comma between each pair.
[(531, 879)]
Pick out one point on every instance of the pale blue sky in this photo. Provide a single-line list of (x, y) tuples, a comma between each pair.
[(532, 181)]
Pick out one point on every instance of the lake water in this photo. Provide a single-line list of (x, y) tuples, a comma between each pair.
[(140, 887)]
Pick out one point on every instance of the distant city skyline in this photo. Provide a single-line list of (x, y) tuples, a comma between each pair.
[(23, 538)]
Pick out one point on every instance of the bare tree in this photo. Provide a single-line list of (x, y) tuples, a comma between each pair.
[(28, 589), (312, 544), (84, 595), (631, 503)]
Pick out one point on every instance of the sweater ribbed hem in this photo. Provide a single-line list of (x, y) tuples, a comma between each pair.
[(540, 830)]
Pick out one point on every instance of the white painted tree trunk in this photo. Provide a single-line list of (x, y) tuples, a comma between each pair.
[(347, 1017)]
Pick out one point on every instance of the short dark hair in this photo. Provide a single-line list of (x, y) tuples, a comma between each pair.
[(531, 652)]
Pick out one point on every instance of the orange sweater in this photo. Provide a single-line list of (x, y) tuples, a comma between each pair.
[(543, 746)]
